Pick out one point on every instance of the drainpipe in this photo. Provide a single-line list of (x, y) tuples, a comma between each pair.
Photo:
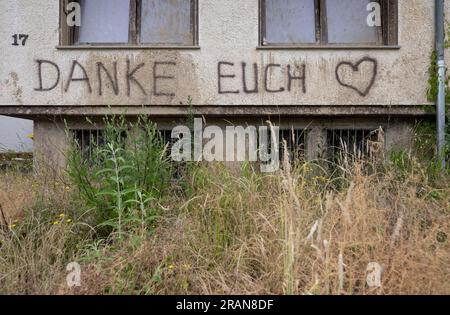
[(440, 106)]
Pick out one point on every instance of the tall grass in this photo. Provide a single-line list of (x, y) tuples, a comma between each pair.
[(303, 230)]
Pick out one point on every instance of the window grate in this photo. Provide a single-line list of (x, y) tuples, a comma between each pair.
[(295, 144), (179, 168), (88, 140), (353, 144), (166, 136)]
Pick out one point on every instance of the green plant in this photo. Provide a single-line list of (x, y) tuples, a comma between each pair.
[(424, 144), (433, 81), (288, 232), (432, 93), (125, 176)]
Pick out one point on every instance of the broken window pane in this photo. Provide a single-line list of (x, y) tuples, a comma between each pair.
[(347, 22), (104, 21), (166, 22), (290, 22)]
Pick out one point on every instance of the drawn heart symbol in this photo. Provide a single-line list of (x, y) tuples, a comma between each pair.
[(355, 69)]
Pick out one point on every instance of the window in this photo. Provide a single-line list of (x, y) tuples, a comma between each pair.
[(328, 22), (178, 168), (132, 22), (88, 141), (295, 144), (104, 21), (353, 144)]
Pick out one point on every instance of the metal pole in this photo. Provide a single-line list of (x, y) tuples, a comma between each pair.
[(440, 106)]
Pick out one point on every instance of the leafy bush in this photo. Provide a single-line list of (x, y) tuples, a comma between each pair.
[(126, 174)]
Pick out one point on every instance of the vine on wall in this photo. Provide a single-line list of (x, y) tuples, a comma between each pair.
[(433, 81), (429, 128)]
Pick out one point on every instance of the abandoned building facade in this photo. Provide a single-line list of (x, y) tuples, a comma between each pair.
[(325, 67)]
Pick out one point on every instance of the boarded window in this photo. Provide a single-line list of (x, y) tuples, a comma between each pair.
[(290, 21), (166, 22), (328, 22), (104, 21)]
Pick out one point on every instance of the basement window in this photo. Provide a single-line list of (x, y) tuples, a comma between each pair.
[(88, 141), (295, 147), (295, 144), (178, 168), (328, 22), (353, 144), (131, 23)]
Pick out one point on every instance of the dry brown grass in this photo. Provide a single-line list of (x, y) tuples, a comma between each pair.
[(287, 233), (244, 236), (33, 248), (15, 193)]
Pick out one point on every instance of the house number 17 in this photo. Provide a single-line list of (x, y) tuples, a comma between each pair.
[(19, 37)]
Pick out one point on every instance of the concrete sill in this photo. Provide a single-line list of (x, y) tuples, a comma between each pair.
[(329, 47), (166, 111), (125, 47)]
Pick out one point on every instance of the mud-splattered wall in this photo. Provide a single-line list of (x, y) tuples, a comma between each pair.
[(226, 69)]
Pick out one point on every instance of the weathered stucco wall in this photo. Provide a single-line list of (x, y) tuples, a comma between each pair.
[(228, 32)]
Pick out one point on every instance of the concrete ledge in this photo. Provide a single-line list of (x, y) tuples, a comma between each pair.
[(329, 47), (126, 47), (31, 112)]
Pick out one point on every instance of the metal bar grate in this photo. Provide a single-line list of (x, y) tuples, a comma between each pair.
[(350, 144), (88, 140)]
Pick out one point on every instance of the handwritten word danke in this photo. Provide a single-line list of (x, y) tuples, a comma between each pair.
[(162, 72)]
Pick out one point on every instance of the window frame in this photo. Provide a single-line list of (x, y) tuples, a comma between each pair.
[(387, 39), (69, 36)]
